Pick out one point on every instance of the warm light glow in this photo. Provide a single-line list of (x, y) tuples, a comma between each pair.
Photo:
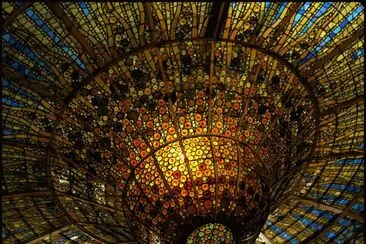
[(182, 156), (143, 122), (207, 182)]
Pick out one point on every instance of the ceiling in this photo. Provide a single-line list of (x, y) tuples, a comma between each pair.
[(55, 55)]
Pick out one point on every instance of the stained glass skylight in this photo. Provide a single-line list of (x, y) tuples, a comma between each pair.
[(182, 119)]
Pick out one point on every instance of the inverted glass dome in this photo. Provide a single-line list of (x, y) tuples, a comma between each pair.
[(182, 122), (205, 137)]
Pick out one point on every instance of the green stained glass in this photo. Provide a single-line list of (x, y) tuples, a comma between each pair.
[(212, 233)]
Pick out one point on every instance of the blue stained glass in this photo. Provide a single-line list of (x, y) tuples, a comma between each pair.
[(21, 68), (343, 187), (345, 222), (348, 232), (10, 102), (279, 12), (10, 85), (319, 212), (343, 201), (362, 146), (328, 215), (341, 26), (323, 9), (301, 12), (297, 18), (61, 240), (54, 37), (316, 211), (308, 222), (319, 13), (359, 207), (282, 233), (13, 64), (7, 132), (357, 54), (309, 56), (85, 8), (29, 53), (266, 7), (330, 235), (351, 161), (329, 198)]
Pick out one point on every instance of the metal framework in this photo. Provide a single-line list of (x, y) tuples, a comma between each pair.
[(325, 207), (360, 99), (344, 213), (70, 26), (216, 21), (54, 231), (19, 10)]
